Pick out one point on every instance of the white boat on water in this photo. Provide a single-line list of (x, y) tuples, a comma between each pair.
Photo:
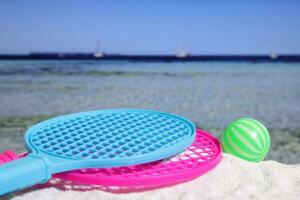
[(181, 55), (98, 54)]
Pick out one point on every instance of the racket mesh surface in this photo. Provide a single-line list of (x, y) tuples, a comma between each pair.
[(200, 157), (110, 135)]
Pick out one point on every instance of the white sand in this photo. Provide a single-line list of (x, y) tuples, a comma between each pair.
[(233, 178)]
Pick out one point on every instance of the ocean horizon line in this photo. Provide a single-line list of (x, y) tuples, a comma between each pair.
[(154, 57)]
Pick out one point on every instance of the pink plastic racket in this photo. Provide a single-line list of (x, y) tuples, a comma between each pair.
[(200, 157)]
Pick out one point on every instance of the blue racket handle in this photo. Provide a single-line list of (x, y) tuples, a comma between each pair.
[(23, 173)]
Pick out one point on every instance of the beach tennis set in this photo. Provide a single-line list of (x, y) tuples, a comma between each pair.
[(125, 150)]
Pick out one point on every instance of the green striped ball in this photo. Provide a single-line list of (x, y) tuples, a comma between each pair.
[(246, 138)]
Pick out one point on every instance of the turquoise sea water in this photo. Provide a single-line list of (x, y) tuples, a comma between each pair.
[(218, 92), (54, 66)]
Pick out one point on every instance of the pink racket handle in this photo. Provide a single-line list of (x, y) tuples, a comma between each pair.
[(8, 156)]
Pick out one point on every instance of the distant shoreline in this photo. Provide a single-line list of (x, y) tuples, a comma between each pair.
[(153, 58)]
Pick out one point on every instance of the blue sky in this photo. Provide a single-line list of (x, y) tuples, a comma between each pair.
[(151, 27)]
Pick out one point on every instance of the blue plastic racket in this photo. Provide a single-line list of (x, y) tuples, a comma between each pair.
[(105, 138)]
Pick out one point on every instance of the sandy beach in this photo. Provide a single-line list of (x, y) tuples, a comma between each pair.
[(233, 178)]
